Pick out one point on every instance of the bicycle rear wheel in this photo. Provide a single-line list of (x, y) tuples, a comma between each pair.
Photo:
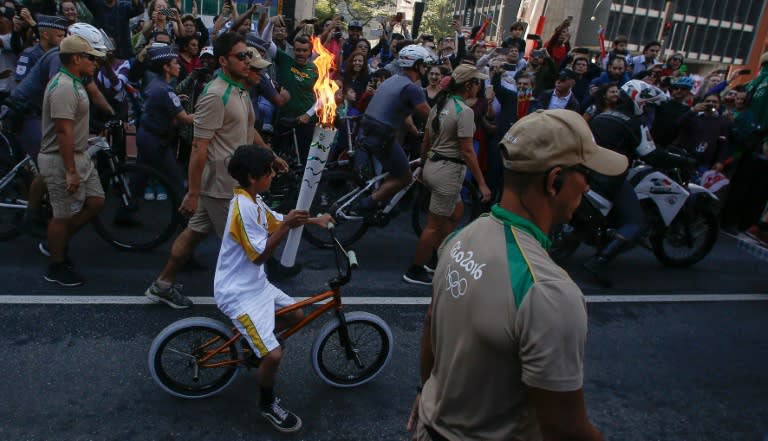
[(128, 221), (370, 348), (175, 353), (16, 192), (470, 196), (334, 185)]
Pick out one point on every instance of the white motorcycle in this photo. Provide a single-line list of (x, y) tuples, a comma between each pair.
[(681, 228)]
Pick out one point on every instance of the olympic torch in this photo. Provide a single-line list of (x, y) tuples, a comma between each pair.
[(325, 91)]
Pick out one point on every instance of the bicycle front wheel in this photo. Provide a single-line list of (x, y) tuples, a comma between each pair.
[(131, 221), (176, 353), (470, 196), (334, 185), (14, 193), (351, 355)]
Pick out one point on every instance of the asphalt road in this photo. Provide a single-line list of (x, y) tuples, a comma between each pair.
[(654, 370)]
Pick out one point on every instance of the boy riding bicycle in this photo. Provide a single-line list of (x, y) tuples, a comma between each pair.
[(240, 286)]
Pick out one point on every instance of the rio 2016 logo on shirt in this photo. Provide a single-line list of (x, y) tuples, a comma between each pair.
[(467, 261)]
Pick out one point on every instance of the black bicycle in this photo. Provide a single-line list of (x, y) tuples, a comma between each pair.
[(128, 221)]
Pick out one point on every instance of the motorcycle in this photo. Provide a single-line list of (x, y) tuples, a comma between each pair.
[(681, 224)]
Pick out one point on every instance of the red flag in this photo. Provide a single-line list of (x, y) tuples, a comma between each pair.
[(601, 39), (481, 32)]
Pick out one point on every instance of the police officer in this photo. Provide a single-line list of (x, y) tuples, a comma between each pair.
[(52, 30), (162, 111)]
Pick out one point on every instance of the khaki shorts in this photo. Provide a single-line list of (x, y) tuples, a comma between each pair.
[(211, 215), (64, 204), (444, 180)]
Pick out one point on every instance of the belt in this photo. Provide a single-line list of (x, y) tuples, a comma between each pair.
[(434, 156)]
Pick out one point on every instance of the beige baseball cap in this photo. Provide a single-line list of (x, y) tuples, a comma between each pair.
[(550, 138), (466, 72), (257, 60), (764, 58), (75, 44)]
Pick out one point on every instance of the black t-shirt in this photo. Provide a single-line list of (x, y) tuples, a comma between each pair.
[(617, 131), (666, 124)]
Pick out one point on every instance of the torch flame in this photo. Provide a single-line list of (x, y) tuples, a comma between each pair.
[(325, 88)]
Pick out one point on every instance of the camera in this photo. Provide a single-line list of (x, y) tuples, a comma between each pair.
[(508, 66)]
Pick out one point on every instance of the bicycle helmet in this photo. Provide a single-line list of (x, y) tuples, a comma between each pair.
[(412, 54), (642, 93), (90, 33), (686, 82)]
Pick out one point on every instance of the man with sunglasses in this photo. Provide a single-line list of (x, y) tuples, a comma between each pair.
[(514, 367), (74, 189), (224, 120)]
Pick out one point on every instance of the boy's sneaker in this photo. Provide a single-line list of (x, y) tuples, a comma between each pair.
[(63, 274), (284, 420), (418, 276), (171, 296)]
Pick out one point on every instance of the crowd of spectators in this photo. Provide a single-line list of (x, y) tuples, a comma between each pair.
[(711, 120)]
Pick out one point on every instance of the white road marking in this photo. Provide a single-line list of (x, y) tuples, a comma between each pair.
[(385, 301)]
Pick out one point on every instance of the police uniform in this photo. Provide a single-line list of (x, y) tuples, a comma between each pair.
[(30, 93), (156, 132)]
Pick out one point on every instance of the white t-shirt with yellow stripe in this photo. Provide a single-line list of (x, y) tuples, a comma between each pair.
[(239, 282)]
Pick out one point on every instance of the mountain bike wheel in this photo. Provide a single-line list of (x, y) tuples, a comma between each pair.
[(175, 353), (16, 192), (470, 195), (370, 348), (128, 221), (333, 186)]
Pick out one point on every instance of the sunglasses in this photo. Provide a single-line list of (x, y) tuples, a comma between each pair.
[(242, 56), (254, 69), (678, 88), (89, 57)]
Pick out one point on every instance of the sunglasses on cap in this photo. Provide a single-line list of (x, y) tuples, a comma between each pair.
[(242, 56)]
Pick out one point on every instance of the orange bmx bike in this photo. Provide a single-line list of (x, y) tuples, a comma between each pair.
[(198, 357)]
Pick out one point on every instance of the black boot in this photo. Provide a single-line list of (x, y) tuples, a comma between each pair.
[(597, 265)]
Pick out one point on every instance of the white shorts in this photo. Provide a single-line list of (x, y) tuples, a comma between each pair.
[(256, 319)]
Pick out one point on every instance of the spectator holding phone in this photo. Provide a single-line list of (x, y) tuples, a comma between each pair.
[(162, 19), (113, 17)]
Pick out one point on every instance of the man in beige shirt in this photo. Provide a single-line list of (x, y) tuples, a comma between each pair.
[(74, 189), (503, 345), (224, 120)]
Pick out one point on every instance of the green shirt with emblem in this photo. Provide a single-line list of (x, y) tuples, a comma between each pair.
[(64, 98), (299, 81), (505, 317), (224, 115)]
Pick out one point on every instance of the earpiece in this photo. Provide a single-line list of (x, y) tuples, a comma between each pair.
[(558, 183)]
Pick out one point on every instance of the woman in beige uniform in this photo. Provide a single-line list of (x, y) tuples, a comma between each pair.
[(446, 153)]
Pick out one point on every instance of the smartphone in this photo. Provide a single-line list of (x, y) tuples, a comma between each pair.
[(399, 17), (166, 11)]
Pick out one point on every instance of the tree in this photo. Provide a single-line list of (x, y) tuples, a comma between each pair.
[(437, 19)]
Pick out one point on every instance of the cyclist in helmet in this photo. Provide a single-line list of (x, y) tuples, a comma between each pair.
[(624, 131), (27, 98), (396, 98)]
